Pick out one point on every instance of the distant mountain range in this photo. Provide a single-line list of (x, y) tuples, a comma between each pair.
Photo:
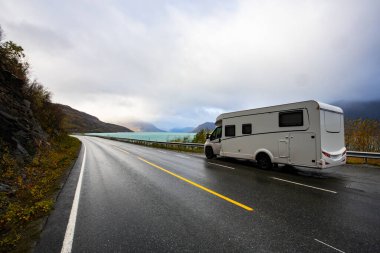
[(80, 122), (140, 126), (360, 109), (209, 126), (182, 130)]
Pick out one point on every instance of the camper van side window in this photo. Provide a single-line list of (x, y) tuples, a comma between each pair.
[(229, 130), (246, 128), (289, 119)]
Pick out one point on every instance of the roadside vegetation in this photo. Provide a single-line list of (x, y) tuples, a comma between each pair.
[(200, 137), (363, 135), (31, 173), (32, 190)]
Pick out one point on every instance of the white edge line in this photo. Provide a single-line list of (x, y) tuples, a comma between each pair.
[(304, 185), (329, 246), (162, 151), (222, 165), (70, 229)]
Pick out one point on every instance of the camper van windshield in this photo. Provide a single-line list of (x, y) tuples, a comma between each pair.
[(216, 134)]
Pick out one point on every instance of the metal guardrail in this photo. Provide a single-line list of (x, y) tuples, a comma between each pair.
[(185, 146), (358, 154)]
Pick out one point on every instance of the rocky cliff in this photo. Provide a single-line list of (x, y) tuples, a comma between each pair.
[(19, 130)]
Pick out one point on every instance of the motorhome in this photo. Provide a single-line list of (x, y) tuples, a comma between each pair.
[(308, 134)]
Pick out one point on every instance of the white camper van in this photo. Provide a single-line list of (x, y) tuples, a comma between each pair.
[(309, 134)]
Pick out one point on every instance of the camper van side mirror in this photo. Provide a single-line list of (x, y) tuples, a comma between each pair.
[(208, 136)]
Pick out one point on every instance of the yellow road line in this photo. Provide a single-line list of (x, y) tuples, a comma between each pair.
[(199, 186)]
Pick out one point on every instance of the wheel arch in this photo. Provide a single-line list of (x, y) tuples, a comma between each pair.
[(263, 151)]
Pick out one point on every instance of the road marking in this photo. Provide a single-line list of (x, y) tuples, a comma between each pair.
[(321, 189), (232, 168), (162, 151), (125, 151), (198, 185), (329, 246), (70, 229), (182, 156)]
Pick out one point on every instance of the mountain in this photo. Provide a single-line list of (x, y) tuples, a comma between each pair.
[(140, 126), (209, 126), (80, 122), (360, 109), (182, 130)]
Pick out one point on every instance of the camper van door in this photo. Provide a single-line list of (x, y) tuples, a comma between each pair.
[(303, 148), (215, 139)]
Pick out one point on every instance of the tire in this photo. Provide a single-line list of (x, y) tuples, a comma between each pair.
[(264, 162), (209, 152)]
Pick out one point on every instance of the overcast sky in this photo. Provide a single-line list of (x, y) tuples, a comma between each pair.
[(181, 63)]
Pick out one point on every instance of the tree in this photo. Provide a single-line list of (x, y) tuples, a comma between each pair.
[(363, 135), (12, 57), (200, 137), (48, 114)]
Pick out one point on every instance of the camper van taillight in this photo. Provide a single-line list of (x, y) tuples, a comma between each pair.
[(326, 154)]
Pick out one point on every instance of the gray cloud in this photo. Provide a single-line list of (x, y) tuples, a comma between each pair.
[(182, 63)]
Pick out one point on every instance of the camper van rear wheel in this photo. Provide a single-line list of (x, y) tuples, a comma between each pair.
[(209, 153), (263, 161)]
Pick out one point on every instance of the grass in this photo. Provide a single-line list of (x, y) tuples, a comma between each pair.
[(34, 187)]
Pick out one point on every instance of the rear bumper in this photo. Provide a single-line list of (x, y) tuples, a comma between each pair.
[(329, 162)]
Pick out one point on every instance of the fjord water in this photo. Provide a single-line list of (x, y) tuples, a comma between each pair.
[(148, 136)]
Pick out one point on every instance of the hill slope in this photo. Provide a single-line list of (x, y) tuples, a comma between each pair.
[(80, 122), (140, 126), (209, 126), (360, 109)]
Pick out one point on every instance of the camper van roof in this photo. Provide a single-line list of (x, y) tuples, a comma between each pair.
[(320, 105)]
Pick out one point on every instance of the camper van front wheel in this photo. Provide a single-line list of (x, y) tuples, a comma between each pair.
[(263, 161), (209, 153)]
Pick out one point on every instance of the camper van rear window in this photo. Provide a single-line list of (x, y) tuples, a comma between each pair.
[(229, 130), (289, 119), (246, 129)]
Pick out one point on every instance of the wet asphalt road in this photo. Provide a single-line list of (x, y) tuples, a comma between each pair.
[(140, 199)]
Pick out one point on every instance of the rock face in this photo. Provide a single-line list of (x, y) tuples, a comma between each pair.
[(18, 127), (80, 122)]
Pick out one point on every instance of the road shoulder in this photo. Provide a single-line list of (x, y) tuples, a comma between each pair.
[(54, 230)]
